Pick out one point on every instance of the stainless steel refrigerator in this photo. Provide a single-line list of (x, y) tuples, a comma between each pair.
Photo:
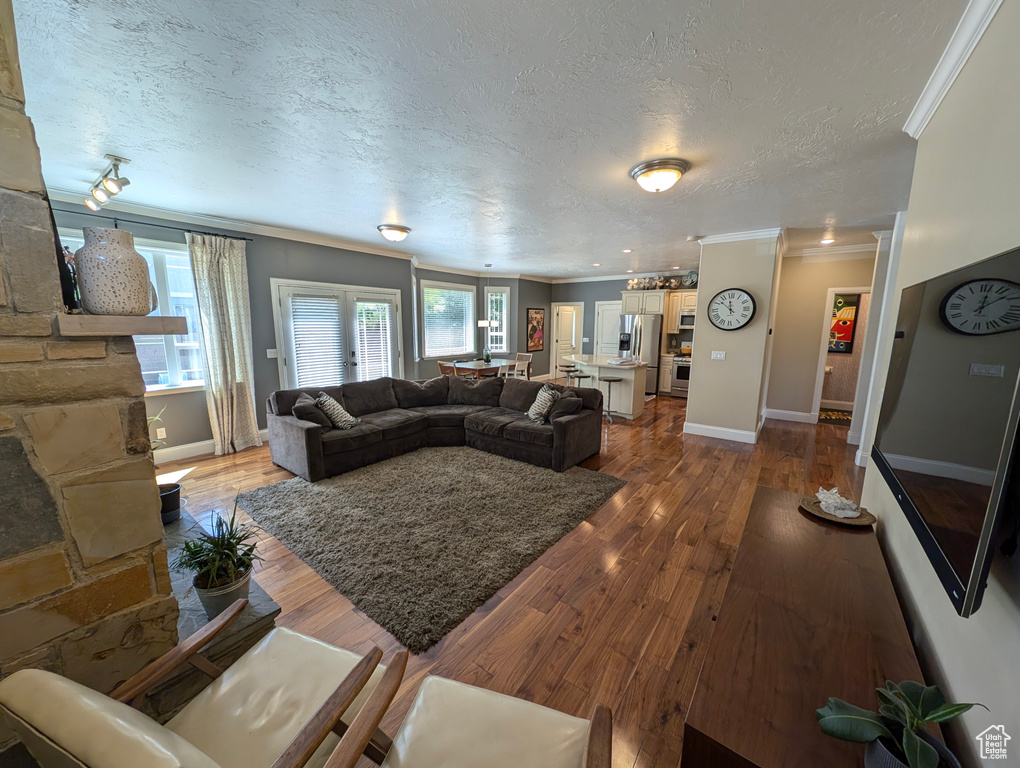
[(644, 333)]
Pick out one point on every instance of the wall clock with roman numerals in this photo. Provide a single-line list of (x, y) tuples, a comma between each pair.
[(982, 307), (732, 309)]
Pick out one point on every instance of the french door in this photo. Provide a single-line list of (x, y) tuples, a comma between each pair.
[(331, 337)]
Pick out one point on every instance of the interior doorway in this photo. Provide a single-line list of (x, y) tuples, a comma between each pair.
[(607, 328), (845, 323), (568, 324)]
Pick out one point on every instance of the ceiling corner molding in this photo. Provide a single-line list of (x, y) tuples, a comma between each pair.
[(733, 237), (234, 225), (606, 278), (975, 20), (415, 262), (537, 278), (838, 253), (783, 245)]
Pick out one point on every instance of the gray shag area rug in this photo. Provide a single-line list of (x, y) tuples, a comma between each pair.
[(420, 541)]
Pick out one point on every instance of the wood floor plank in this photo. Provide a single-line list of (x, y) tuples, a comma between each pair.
[(619, 611)]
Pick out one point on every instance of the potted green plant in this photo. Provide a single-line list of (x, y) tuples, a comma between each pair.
[(169, 493), (897, 734), (221, 561)]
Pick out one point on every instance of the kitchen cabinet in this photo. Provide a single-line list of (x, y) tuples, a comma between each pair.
[(680, 303), (665, 374), (689, 302), (643, 303)]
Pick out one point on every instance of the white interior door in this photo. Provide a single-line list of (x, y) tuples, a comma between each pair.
[(607, 327), (567, 337)]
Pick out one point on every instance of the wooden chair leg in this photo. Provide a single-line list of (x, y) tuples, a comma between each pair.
[(598, 752)]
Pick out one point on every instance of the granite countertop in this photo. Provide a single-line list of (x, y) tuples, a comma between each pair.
[(599, 361)]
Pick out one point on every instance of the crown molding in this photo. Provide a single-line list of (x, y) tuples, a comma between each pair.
[(234, 225), (975, 20), (733, 237), (607, 278), (838, 250)]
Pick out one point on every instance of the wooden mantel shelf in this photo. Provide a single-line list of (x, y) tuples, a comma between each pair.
[(121, 325)]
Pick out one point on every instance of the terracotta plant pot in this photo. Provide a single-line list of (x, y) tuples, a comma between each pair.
[(217, 599), (878, 755)]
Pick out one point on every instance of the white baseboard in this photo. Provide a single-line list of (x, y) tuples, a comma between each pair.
[(188, 450), (723, 433), (543, 377), (838, 405), (801, 416), (935, 468), (861, 459), (853, 438)]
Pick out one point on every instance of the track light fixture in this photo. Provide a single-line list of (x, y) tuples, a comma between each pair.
[(109, 184)]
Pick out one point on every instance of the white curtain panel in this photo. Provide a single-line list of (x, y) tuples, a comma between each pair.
[(221, 284)]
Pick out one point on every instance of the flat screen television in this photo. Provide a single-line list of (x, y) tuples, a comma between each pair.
[(946, 441)]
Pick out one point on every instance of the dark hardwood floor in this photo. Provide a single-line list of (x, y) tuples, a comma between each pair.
[(619, 611)]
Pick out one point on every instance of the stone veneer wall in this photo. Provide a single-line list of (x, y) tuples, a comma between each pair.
[(84, 585)]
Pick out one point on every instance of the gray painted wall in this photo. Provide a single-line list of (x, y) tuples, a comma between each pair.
[(535, 295), (185, 417), (589, 293)]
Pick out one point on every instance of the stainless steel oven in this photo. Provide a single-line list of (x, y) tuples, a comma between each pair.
[(681, 379)]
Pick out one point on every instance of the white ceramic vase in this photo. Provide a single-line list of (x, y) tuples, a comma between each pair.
[(112, 275)]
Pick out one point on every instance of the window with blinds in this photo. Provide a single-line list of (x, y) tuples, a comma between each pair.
[(375, 339), (317, 338), (497, 304), (448, 319)]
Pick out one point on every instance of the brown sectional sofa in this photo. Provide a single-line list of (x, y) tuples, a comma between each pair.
[(399, 416)]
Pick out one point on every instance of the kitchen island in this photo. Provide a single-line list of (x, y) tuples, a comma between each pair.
[(628, 394)]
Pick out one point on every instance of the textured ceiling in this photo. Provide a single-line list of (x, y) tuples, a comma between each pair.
[(498, 131)]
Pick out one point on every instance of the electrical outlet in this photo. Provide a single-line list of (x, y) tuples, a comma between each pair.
[(979, 369), (716, 355), (271, 354), (584, 339), (161, 434)]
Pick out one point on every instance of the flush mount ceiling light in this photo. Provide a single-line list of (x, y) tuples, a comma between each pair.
[(394, 232), (659, 175), (109, 183)]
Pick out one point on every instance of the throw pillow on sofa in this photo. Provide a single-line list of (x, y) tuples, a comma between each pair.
[(338, 417), (306, 409), (544, 401), (565, 405), (411, 394), (466, 392)]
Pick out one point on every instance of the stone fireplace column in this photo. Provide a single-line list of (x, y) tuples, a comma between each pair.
[(84, 586)]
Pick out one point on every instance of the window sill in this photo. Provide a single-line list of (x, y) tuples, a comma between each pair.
[(462, 357), (155, 390)]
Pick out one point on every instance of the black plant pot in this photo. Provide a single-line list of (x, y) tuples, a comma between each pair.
[(879, 755), (170, 501)]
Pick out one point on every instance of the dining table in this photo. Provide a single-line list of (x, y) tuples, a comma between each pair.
[(481, 368)]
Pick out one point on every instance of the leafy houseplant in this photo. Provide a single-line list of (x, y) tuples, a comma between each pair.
[(221, 561), (898, 731)]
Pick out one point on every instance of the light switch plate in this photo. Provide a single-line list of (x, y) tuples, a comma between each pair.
[(980, 369), (716, 355), (271, 354), (161, 434), (584, 339)]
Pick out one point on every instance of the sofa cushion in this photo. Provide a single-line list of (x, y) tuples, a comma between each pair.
[(544, 401), (338, 416), (590, 398), (411, 394), (340, 440), (361, 397), (492, 420), (467, 392), (282, 401), (306, 410), (396, 422), (519, 394), (565, 406), (449, 415), (527, 431)]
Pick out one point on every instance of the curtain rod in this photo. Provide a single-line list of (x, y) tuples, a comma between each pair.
[(117, 220)]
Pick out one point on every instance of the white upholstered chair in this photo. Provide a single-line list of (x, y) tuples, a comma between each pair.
[(283, 704)]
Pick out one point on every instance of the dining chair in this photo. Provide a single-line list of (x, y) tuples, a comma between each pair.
[(525, 369), (286, 703), (447, 369), (467, 373)]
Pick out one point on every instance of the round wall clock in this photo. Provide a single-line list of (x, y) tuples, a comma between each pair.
[(731, 309), (982, 307)]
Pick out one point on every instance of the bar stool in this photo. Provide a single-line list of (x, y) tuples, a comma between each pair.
[(578, 377), (569, 370), (610, 380)]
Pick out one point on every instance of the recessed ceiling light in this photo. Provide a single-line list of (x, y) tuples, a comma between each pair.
[(628, 250), (676, 267), (659, 175), (393, 232), (827, 241), (596, 264), (629, 271)]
